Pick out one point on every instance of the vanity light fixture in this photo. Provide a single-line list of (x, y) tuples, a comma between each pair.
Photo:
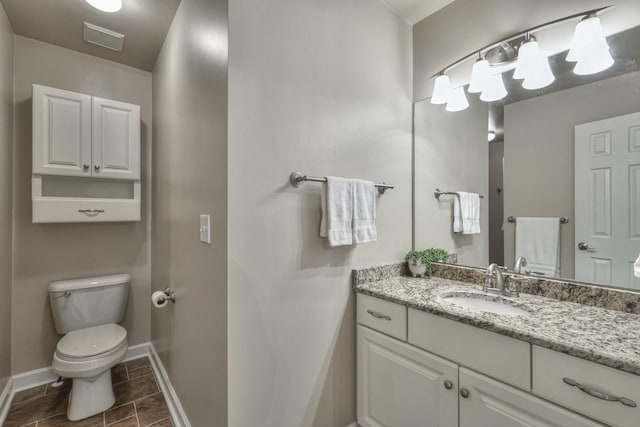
[(589, 50), (109, 6), (441, 90), (589, 47), (479, 75), (457, 100)]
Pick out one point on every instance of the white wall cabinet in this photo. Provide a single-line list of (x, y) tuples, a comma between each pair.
[(83, 137), (401, 385), (61, 132)]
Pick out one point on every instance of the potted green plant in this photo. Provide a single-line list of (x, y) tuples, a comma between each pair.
[(419, 262)]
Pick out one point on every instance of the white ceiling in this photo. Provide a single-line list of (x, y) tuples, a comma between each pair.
[(414, 11), (144, 23)]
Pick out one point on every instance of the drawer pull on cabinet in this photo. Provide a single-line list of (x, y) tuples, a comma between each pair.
[(91, 211), (448, 384), (378, 315), (599, 394)]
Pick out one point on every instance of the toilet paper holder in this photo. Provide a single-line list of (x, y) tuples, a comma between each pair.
[(169, 296)]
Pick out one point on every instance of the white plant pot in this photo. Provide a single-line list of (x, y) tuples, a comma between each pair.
[(417, 268)]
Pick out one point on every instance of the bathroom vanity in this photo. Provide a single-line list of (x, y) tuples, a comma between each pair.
[(440, 352)]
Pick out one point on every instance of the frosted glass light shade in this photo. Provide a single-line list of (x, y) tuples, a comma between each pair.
[(457, 100), (441, 90), (106, 5), (479, 75), (494, 89), (597, 61), (539, 76), (528, 55), (588, 35)]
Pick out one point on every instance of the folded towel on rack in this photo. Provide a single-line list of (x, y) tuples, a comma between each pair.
[(538, 240), (364, 211), (636, 267), (466, 213), (337, 211)]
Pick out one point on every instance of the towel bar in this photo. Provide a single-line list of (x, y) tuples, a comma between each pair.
[(297, 177), (437, 193), (563, 220)]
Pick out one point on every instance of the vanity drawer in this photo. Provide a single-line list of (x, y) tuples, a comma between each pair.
[(384, 316), (550, 368), (495, 355)]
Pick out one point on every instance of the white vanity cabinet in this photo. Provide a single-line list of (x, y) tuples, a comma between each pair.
[(86, 158), (402, 386), (426, 380)]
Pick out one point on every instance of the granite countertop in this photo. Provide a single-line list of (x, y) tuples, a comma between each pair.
[(601, 335)]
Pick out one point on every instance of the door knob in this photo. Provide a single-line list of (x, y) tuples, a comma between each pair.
[(584, 247), (464, 393), (85, 167), (448, 384), (97, 167)]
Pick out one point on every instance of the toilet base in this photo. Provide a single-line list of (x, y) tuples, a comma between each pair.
[(90, 396)]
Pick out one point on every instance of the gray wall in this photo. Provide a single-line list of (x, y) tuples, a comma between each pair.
[(467, 25), (6, 150), (189, 179), (452, 154), (323, 87), (47, 252), (539, 136)]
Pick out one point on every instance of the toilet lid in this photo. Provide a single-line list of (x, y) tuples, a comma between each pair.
[(92, 341)]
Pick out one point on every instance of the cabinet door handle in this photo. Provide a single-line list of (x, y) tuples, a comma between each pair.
[(464, 393), (85, 168), (379, 315), (599, 394), (97, 167), (448, 384)]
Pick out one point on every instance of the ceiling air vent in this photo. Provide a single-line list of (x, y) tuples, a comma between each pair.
[(103, 37)]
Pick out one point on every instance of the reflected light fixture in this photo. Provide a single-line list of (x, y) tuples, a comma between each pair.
[(494, 89), (589, 47), (109, 6), (457, 100), (441, 90), (479, 75)]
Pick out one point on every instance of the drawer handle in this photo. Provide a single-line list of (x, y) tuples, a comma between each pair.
[(91, 211), (379, 315), (599, 394)]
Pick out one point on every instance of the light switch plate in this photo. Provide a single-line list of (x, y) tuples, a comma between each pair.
[(205, 228)]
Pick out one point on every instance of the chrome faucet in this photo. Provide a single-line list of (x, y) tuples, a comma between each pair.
[(494, 269), (520, 262), (499, 287)]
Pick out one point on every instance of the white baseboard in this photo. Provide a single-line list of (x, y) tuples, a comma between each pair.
[(46, 375), (178, 414), (5, 400)]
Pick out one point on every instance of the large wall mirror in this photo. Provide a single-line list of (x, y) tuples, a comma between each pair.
[(569, 151)]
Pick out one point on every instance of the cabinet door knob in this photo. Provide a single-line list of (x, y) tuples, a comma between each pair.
[(85, 167), (97, 167), (448, 384), (464, 393)]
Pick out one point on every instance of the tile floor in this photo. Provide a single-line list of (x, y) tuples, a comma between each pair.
[(139, 402)]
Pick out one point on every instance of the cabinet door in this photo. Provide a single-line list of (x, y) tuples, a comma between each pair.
[(116, 140), (494, 404), (402, 386), (61, 132)]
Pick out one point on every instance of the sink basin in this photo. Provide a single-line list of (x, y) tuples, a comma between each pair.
[(486, 303)]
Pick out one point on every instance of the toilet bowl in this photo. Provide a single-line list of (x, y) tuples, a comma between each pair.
[(86, 311), (86, 356)]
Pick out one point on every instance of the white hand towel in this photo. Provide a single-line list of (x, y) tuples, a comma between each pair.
[(337, 211), (636, 267), (466, 213), (364, 212), (538, 240)]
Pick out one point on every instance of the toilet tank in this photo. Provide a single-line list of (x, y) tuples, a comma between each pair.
[(92, 301)]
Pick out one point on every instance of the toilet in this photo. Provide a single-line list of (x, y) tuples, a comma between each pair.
[(87, 312)]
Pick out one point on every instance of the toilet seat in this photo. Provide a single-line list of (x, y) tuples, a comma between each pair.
[(90, 343)]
